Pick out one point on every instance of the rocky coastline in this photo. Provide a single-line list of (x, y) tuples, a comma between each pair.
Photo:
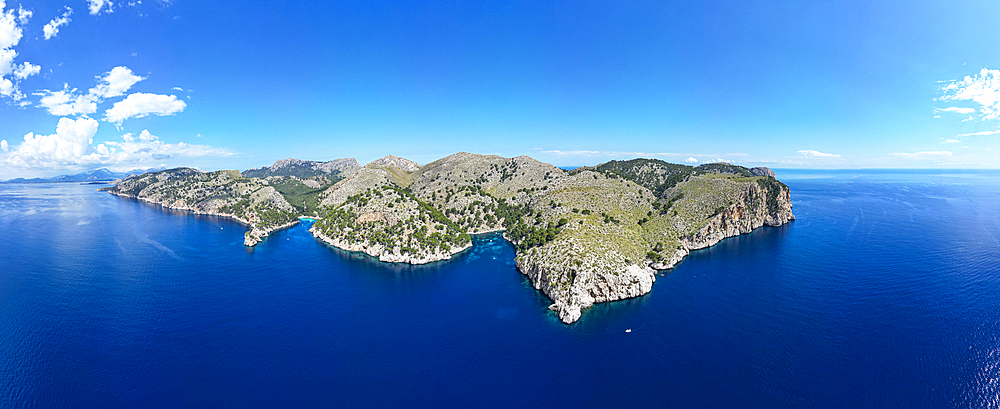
[(387, 255), (592, 235), (588, 286), (256, 234)]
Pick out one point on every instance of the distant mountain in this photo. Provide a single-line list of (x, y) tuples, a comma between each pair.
[(99, 175), (338, 168)]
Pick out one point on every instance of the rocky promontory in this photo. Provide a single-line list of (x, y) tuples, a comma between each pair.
[(250, 201), (595, 234)]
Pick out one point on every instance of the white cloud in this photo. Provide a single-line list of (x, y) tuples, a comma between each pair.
[(22, 14), (817, 154), (70, 143), (95, 6), (923, 155), (957, 110), (67, 102), (572, 153), (26, 70), (7, 56), (7, 87), (951, 141), (72, 147), (692, 160), (11, 31), (141, 104), (983, 89), (983, 133), (178, 89), (52, 27), (149, 148), (115, 82)]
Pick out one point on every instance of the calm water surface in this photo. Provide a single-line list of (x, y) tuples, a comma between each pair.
[(884, 293)]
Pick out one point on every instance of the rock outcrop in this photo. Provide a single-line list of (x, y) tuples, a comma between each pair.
[(405, 165), (762, 171)]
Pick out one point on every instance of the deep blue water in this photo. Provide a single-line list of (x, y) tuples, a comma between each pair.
[(884, 293)]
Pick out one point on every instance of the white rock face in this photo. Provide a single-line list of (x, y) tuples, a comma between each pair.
[(762, 171), (397, 162), (589, 287), (748, 213)]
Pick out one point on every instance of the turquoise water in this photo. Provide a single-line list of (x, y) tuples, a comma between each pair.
[(884, 293)]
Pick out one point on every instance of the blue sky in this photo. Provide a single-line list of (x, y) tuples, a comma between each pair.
[(221, 85)]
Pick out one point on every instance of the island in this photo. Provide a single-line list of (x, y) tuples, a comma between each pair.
[(590, 235)]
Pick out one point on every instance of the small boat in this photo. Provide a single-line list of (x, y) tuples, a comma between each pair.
[(628, 330)]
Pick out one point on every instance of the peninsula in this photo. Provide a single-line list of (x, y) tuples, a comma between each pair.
[(590, 235)]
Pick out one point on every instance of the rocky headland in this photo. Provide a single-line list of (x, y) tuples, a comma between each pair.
[(595, 234), (251, 202)]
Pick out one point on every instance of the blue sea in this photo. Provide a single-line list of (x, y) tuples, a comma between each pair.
[(885, 292)]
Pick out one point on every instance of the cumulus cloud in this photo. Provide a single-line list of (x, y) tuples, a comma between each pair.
[(115, 82), (11, 22), (817, 154), (67, 102), (692, 160), (148, 148), (951, 141), (10, 27), (52, 27), (982, 89), (72, 146), (923, 155), (26, 70), (141, 104), (96, 6), (71, 142)]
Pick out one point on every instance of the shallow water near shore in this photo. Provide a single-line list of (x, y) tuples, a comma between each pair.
[(885, 292)]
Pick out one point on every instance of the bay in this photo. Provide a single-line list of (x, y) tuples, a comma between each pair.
[(883, 293)]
